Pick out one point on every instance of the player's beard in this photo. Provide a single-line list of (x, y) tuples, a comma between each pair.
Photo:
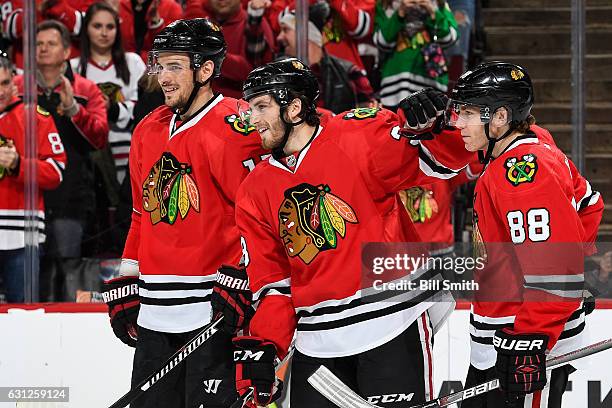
[(274, 135), (179, 101)]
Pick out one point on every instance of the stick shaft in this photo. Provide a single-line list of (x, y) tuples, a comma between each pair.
[(176, 359)]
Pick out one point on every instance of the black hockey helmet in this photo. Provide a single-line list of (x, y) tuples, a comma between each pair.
[(489, 87), (199, 37), (493, 85), (278, 77)]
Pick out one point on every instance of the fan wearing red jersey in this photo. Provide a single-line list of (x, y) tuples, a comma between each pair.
[(186, 163), (49, 165), (304, 214), (534, 220)]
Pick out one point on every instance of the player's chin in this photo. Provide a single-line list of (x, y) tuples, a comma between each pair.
[(269, 143)]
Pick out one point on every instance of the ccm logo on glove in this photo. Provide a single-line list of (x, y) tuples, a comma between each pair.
[(120, 292), (248, 355), (518, 345)]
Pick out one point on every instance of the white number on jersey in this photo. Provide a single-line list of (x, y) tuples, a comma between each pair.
[(250, 163), (538, 228), (56, 143)]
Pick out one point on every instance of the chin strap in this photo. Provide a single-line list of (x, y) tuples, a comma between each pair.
[(485, 157), (279, 152), (196, 88)]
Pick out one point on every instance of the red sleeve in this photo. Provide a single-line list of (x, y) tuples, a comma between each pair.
[(12, 25), (356, 16), (269, 274), (590, 206), (169, 11), (130, 251), (392, 162), (51, 155), (65, 13), (470, 173), (91, 120), (542, 223)]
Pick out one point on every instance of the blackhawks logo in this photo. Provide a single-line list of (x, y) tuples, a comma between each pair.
[(238, 125), (112, 91), (169, 190), (361, 113), (521, 171), (419, 203), (310, 220)]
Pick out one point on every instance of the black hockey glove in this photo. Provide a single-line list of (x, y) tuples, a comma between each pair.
[(121, 296), (254, 358), (521, 362), (231, 298), (423, 113)]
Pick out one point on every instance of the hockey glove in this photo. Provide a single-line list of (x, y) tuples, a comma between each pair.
[(254, 358), (121, 296), (423, 113), (231, 298), (521, 362)]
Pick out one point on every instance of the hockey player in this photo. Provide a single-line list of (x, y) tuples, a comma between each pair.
[(186, 162), (304, 214), (531, 198), (49, 167)]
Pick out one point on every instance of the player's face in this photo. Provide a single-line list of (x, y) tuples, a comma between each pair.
[(150, 201), (50, 51), (102, 31), (265, 116), (289, 229), (286, 39), (175, 78), (472, 129), (6, 87)]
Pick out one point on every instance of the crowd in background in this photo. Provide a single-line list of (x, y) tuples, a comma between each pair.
[(92, 79)]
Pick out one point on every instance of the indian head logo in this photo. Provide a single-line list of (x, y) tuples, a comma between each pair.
[(169, 190), (310, 220)]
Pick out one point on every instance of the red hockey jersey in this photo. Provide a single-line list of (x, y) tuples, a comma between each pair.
[(528, 228), (50, 167), (430, 208), (304, 220), (184, 182)]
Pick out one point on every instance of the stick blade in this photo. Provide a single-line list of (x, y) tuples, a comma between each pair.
[(332, 388)]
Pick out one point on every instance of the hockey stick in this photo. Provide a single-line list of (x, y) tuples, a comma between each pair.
[(176, 359), (332, 388)]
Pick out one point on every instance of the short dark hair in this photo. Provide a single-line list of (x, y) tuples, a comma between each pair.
[(309, 112), (59, 27)]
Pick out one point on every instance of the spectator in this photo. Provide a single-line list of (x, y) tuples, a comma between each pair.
[(250, 41), (68, 12), (77, 107), (104, 61), (49, 166), (409, 35), (349, 23), (343, 85), (464, 12), (140, 20)]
